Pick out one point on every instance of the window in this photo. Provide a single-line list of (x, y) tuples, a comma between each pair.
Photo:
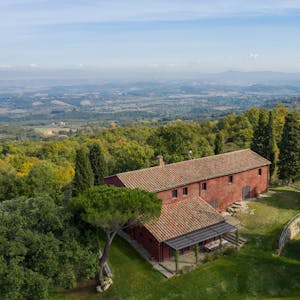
[(185, 191), (204, 186), (174, 194), (230, 179), (259, 172), (213, 203)]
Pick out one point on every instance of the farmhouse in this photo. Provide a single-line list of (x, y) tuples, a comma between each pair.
[(194, 193)]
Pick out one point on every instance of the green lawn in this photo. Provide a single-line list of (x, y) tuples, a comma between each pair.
[(253, 273), (297, 184)]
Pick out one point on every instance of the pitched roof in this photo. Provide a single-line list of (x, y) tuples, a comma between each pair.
[(161, 178), (182, 217)]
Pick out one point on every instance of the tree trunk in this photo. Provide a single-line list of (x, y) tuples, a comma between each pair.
[(103, 258)]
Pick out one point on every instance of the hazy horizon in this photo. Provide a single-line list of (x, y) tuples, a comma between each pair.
[(157, 36)]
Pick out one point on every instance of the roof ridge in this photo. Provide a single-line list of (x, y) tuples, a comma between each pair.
[(159, 178), (182, 162)]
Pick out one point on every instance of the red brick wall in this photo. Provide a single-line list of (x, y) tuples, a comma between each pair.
[(147, 240), (226, 193), (166, 196), (220, 190)]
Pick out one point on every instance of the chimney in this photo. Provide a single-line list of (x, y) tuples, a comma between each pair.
[(160, 160)]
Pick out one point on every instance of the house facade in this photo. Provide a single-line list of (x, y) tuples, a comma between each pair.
[(194, 193)]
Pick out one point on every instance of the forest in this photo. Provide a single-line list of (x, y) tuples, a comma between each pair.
[(44, 243)]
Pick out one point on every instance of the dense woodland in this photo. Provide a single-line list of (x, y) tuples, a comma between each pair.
[(44, 242)]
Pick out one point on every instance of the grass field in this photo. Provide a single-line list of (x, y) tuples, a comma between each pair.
[(252, 273), (297, 184)]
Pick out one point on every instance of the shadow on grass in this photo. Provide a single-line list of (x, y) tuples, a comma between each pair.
[(267, 241), (292, 250), (283, 199), (261, 273), (252, 273)]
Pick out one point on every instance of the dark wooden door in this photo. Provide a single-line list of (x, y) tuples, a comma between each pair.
[(246, 192)]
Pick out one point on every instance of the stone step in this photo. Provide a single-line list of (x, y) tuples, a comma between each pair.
[(164, 271), (232, 239)]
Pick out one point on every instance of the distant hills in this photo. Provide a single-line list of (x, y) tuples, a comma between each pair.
[(90, 75)]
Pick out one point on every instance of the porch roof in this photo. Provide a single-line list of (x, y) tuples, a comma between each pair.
[(200, 235), (182, 217)]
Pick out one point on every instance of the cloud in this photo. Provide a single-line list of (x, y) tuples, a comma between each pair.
[(20, 2), (253, 56), (42, 12), (5, 66), (33, 65)]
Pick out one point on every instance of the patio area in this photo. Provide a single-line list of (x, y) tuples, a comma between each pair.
[(187, 261)]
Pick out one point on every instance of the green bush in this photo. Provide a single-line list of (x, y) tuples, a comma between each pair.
[(229, 250), (40, 247)]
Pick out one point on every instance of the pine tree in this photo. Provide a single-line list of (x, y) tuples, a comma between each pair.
[(219, 143), (84, 177), (289, 158), (98, 164), (259, 141), (271, 149)]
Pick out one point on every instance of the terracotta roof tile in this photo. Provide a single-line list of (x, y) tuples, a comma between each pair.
[(169, 176), (182, 217)]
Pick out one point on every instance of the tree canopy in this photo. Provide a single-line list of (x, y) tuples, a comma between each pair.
[(176, 139), (11, 185), (98, 163), (260, 139), (40, 247), (289, 158), (84, 177), (113, 209), (219, 143), (271, 149)]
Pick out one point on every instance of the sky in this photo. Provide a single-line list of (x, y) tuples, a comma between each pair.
[(158, 35)]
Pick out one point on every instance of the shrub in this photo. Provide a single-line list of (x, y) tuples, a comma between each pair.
[(229, 250)]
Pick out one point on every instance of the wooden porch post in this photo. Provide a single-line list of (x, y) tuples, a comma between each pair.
[(176, 260), (196, 249)]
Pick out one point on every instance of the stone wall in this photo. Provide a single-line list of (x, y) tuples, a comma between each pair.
[(291, 229)]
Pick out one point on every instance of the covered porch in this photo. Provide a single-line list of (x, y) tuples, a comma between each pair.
[(187, 250)]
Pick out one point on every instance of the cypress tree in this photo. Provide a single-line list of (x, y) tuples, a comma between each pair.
[(271, 146), (98, 164), (219, 143), (84, 177), (289, 158), (259, 141)]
